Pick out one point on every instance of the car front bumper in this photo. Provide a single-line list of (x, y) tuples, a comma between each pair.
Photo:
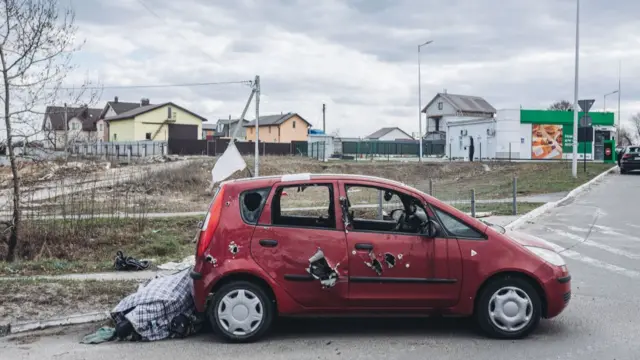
[(558, 291)]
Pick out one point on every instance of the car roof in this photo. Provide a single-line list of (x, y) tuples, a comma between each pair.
[(262, 181)]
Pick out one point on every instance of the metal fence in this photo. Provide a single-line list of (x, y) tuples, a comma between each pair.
[(137, 149), (217, 147), (363, 149)]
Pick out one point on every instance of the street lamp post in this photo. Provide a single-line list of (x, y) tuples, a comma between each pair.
[(605, 99), (420, 99), (574, 162)]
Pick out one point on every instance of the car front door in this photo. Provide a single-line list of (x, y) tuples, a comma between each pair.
[(394, 268), (300, 243)]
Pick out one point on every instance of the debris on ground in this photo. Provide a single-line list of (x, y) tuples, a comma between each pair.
[(103, 334), (128, 263), (163, 308), (187, 262)]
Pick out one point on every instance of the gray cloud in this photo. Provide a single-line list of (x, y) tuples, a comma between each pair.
[(360, 56)]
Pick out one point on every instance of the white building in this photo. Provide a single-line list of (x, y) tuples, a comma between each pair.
[(389, 134), (493, 137), (445, 106)]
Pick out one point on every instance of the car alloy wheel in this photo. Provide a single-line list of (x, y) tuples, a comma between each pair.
[(508, 308), (240, 312)]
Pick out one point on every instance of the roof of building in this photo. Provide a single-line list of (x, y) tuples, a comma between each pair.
[(384, 131), (270, 120), (118, 107), (147, 108), (87, 115), (230, 121), (464, 103)]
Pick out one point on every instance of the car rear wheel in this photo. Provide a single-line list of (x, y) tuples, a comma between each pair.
[(241, 312), (508, 308)]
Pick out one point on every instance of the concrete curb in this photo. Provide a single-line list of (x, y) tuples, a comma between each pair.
[(66, 321), (550, 205)]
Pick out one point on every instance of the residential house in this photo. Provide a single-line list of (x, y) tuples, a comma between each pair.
[(389, 134), (283, 128), (115, 108), (445, 105), (146, 121), (224, 128), (81, 125)]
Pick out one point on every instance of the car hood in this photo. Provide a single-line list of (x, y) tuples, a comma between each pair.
[(528, 240)]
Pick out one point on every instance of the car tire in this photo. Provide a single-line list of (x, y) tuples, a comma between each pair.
[(623, 171), (516, 295), (234, 310)]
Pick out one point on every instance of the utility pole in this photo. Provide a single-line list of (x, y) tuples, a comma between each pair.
[(574, 162), (324, 122), (256, 164), (420, 99), (619, 94), (66, 133)]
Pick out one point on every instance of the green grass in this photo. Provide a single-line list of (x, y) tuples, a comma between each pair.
[(500, 209)]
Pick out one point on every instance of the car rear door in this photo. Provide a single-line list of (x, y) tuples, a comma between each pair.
[(394, 269), (300, 243)]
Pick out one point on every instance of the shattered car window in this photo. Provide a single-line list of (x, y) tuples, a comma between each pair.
[(251, 204)]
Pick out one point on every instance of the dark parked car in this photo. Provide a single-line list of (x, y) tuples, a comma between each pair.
[(323, 248), (630, 159)]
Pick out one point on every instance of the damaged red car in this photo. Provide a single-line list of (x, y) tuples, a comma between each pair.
[(356, 245)]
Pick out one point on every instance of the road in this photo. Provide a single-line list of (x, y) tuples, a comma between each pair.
[(600, 323)]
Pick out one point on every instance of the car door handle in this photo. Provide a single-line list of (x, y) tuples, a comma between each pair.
[(268, 243), (364, 246)]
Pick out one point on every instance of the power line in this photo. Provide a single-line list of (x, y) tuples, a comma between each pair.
[(246, 82)]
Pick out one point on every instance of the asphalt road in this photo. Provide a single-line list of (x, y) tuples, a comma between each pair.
[(602, 320)]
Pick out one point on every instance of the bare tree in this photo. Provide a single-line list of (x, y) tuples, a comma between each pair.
[(625, 136), (635, 126), (37, 41), (562, 105)]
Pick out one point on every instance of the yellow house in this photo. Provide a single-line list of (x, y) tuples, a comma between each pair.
[(283, 128), (159, 122)]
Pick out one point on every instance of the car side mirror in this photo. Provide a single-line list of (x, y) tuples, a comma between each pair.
[(432, 229)]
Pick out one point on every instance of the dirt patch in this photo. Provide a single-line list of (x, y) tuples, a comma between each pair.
[(23, 300), (71, 246)]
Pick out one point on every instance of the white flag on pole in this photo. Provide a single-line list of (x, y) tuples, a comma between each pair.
[(230, 162)]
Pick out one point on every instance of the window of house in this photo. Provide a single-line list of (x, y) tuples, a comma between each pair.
[(147, 136), (115, 137), (251, 204), (75, 126), (294, 124), (169, 113), (304, 206), (440, 105), (456, 227), (269, 129), (99, 127)]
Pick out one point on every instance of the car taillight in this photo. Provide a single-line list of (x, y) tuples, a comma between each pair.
[(626, 156), (210, 223)]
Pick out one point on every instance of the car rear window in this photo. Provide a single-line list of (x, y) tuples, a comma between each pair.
[(634, 150), (251, 204)]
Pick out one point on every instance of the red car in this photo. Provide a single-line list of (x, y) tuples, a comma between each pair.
[(359, 245)]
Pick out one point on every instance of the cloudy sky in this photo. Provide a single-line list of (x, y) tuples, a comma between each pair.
[(358, 56)]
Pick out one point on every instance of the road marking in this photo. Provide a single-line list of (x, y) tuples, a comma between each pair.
[(580, 241), (589, 260)]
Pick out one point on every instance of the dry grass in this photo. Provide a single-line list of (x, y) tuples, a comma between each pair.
[(184, 189), (32, 299), (57, 246)]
